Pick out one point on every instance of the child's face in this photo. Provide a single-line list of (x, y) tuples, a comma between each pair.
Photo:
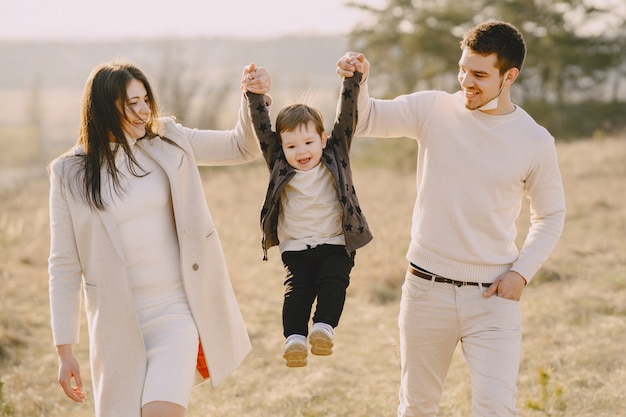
[(303, 146)]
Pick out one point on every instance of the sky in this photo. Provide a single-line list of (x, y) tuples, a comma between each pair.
[(80, 20), (127, 19)]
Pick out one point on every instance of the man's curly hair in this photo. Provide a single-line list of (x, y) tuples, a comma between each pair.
[(500, 38)]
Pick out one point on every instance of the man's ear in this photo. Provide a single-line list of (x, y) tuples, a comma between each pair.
[(511, 75), (324, 138)]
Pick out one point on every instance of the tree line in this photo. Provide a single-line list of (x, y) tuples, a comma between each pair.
[(574, 78)]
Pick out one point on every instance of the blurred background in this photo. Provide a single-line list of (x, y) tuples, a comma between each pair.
[(574, 80), (194, 51)]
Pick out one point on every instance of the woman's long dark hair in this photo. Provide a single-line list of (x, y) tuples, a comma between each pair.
[(102, 114)]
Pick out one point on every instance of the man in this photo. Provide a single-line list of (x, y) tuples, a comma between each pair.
[(479, 154)]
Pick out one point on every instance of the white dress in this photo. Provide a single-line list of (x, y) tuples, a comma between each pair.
[(145, 221)]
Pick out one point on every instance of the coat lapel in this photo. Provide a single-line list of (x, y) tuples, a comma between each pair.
[(164, 157), (114, 234), (170, 159)]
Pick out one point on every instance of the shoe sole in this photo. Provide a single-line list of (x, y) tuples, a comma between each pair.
[(295, 357), (321, 344)]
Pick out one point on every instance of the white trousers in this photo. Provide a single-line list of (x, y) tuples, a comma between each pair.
[(434, 317)]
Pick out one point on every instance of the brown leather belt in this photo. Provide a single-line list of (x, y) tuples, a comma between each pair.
[(437, 278)]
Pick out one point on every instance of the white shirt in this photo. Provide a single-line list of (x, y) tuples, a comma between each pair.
[(310, 212), (145, 220)]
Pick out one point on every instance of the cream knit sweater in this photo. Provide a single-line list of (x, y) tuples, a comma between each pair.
[(472, 171)]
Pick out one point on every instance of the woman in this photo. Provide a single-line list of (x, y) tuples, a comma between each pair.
[(130, 228)]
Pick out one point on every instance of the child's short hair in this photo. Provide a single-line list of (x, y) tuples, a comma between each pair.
[(296, 115)]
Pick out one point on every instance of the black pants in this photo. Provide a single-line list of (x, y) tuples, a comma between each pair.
[(322, 272)]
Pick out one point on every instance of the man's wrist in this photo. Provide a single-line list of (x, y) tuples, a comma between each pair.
[(521, 276)]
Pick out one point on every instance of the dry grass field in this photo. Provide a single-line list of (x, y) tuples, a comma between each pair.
[(574, 356)]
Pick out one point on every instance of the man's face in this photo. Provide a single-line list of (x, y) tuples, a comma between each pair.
[(479, 78)]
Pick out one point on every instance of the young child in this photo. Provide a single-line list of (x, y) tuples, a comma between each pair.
[(312, 213)]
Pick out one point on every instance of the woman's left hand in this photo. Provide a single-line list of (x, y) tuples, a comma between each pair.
[(256, 79)]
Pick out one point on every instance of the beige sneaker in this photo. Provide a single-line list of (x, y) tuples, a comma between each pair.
[(321, 339), (295, 351)]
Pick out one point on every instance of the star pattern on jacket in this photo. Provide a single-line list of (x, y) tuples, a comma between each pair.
[(335, 157), (333, 142)]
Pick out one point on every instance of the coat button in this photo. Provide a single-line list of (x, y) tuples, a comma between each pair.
[(195, 267)]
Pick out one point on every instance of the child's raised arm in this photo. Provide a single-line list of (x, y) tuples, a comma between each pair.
[(347, 116), (259, 113)]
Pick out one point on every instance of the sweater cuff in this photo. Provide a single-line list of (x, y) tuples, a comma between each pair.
[(526, 269)]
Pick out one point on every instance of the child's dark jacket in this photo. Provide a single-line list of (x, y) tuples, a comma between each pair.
[(335, 156)]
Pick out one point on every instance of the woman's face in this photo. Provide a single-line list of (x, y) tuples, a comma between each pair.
[(136, 110)]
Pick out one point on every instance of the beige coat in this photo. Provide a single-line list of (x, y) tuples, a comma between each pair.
[(86, 258)]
